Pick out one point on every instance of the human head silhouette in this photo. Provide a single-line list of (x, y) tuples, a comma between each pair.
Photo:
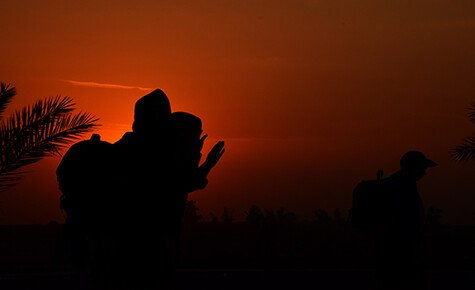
[(414, 164), (184, 129), (151, 113)]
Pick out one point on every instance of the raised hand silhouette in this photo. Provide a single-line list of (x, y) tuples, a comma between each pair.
[(213, 157)]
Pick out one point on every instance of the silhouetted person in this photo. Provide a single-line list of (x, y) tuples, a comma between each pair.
[(398, 245), (156, 166), (134, 254), (81, 177), (185, 175), (125, 201)]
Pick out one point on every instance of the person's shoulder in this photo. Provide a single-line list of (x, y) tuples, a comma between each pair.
[(394, 178), (398, 182), (127, 138), (398, 177)]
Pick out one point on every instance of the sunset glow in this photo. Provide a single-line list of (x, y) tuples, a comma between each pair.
[(310, 96)]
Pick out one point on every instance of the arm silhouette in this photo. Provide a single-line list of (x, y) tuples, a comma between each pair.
[(199, 180), (213, 158)]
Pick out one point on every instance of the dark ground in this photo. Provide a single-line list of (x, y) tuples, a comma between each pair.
[(205, 279), (305, 255)]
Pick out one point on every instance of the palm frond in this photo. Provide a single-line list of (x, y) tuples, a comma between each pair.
[(33, 117), (6, 95), (38, 131), (471, 112), (8, 180), (465, 151)]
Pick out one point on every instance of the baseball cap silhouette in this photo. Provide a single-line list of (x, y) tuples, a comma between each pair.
[(412, 159)]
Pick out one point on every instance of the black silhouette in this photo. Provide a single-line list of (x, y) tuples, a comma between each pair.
[(185, 174), (341, 258), (398, 235), (466, 150), (39, 130), (84, 186), (139, 189), (369, 215)]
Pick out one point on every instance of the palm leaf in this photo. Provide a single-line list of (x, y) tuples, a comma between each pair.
[(40, 130), (6, 95), (471, 112), (465, 151)]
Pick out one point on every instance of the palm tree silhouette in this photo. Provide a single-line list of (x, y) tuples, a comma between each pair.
[(36, 131), (466, 150)]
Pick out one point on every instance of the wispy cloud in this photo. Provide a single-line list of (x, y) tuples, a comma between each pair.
[(107, 86)]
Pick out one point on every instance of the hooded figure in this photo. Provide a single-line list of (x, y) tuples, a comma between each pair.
[(151, 114), (140, 259), (141, 158), (156, 166)]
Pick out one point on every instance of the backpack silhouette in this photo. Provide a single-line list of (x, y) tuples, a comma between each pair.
[(82, 178), (369, 213)]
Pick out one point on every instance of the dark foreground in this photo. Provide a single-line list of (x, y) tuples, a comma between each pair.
[(212, 279), (296, 255)]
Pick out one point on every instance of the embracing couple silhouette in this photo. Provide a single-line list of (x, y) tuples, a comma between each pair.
[(124, 202)]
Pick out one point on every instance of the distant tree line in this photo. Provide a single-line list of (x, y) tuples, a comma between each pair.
[(257, 217)]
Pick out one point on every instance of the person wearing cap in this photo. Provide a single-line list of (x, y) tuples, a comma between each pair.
[(399, 245)]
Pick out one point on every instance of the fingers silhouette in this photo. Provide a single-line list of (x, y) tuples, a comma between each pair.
[(215, 154)]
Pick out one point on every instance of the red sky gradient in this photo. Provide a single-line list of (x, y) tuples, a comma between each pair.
[(310, 96)]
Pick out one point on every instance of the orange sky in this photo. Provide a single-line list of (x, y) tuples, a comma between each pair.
[(310, 96)]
